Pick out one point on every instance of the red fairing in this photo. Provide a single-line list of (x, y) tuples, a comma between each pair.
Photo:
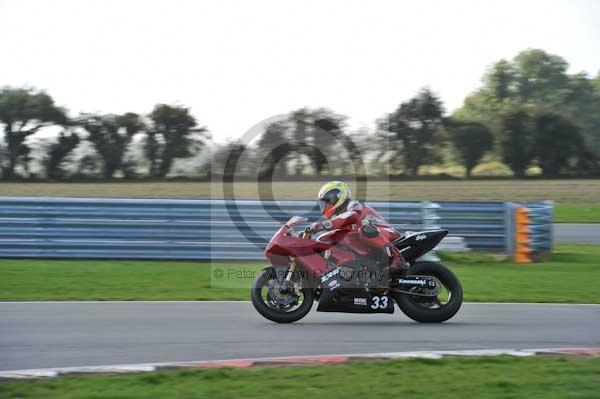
[(340, 257), (304, 250), (345, 232), (350, 239)]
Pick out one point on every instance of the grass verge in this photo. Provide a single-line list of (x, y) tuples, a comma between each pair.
[(498, 377), (484, 279), (562, 191), (569, 213)]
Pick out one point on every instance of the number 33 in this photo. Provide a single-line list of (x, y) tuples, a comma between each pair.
[(379, 302)]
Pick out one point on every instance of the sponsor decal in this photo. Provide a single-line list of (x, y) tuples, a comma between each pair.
[(329, 275), (413, 282), (332, 283), (360, 301), (420, 237)]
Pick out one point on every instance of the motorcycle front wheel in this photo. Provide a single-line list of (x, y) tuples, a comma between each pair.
[(278, 307), (432, 309)]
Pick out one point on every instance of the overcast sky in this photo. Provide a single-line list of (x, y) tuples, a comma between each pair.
[(236, 63)]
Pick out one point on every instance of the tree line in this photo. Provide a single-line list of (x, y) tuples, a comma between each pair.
[(169, 132), (528, 112)]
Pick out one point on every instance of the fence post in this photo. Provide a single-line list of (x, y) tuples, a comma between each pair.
[(429, 216), (429, 221), (509, 228)]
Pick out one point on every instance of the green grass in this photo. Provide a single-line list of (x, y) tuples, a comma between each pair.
[(569, 213), (572, 275), (64, 280), (499, 377)]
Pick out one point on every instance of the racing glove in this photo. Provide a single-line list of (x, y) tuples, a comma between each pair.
[(315, 227)]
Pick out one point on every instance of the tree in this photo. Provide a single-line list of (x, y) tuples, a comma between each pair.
[(272, 147), (596, 82), (110, 135), (305, 134), (316, 133), (414, 130), (557, 141), (582, 107), (471, 141), (57, 152), (24, 112), (227, 160), (501, 80), (533, 77), (540, 77), (173, 133), (536, 79), (518, 141), (89, 166)]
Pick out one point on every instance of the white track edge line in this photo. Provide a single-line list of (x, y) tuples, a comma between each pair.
[(142, 367)]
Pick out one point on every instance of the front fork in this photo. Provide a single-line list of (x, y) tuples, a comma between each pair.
[(286, 287), (290, 273), (291, 270)]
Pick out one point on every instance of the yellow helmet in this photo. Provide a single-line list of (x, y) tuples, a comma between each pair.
[(333, 197)]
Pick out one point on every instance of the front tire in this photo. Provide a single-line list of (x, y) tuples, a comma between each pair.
[(279, 315), (419, 309)]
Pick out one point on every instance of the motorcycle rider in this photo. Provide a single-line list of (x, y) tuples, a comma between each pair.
[(341, 212)]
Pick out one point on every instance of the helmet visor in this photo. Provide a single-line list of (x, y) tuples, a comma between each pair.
[(328, 201), (324, 204)]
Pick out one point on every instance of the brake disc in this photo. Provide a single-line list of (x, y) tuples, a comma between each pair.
[(283, 298)]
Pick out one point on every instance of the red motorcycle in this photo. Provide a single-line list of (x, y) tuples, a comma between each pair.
[(345, 275)]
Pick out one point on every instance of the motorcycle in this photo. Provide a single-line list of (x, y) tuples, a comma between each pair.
[(343, 274)]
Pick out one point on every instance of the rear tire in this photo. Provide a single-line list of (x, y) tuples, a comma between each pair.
[(275, 315), (413, 308)]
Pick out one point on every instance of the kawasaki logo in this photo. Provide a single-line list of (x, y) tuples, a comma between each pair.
[(413, 282)]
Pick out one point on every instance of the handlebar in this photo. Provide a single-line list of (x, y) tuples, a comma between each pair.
[(302, 234)]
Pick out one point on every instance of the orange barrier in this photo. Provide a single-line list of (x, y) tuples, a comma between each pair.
[(522, 231)]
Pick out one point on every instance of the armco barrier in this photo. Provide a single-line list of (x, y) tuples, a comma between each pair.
[(541, 217), (482, 224), (205, 229)]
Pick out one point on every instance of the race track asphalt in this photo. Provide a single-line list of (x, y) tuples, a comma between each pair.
[(580, 233), (54, 334)]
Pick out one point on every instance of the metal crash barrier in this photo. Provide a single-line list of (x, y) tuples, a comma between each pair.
[(213, 229)]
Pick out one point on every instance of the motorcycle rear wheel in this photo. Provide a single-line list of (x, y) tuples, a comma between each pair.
[(274, 314), (424, 310)]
